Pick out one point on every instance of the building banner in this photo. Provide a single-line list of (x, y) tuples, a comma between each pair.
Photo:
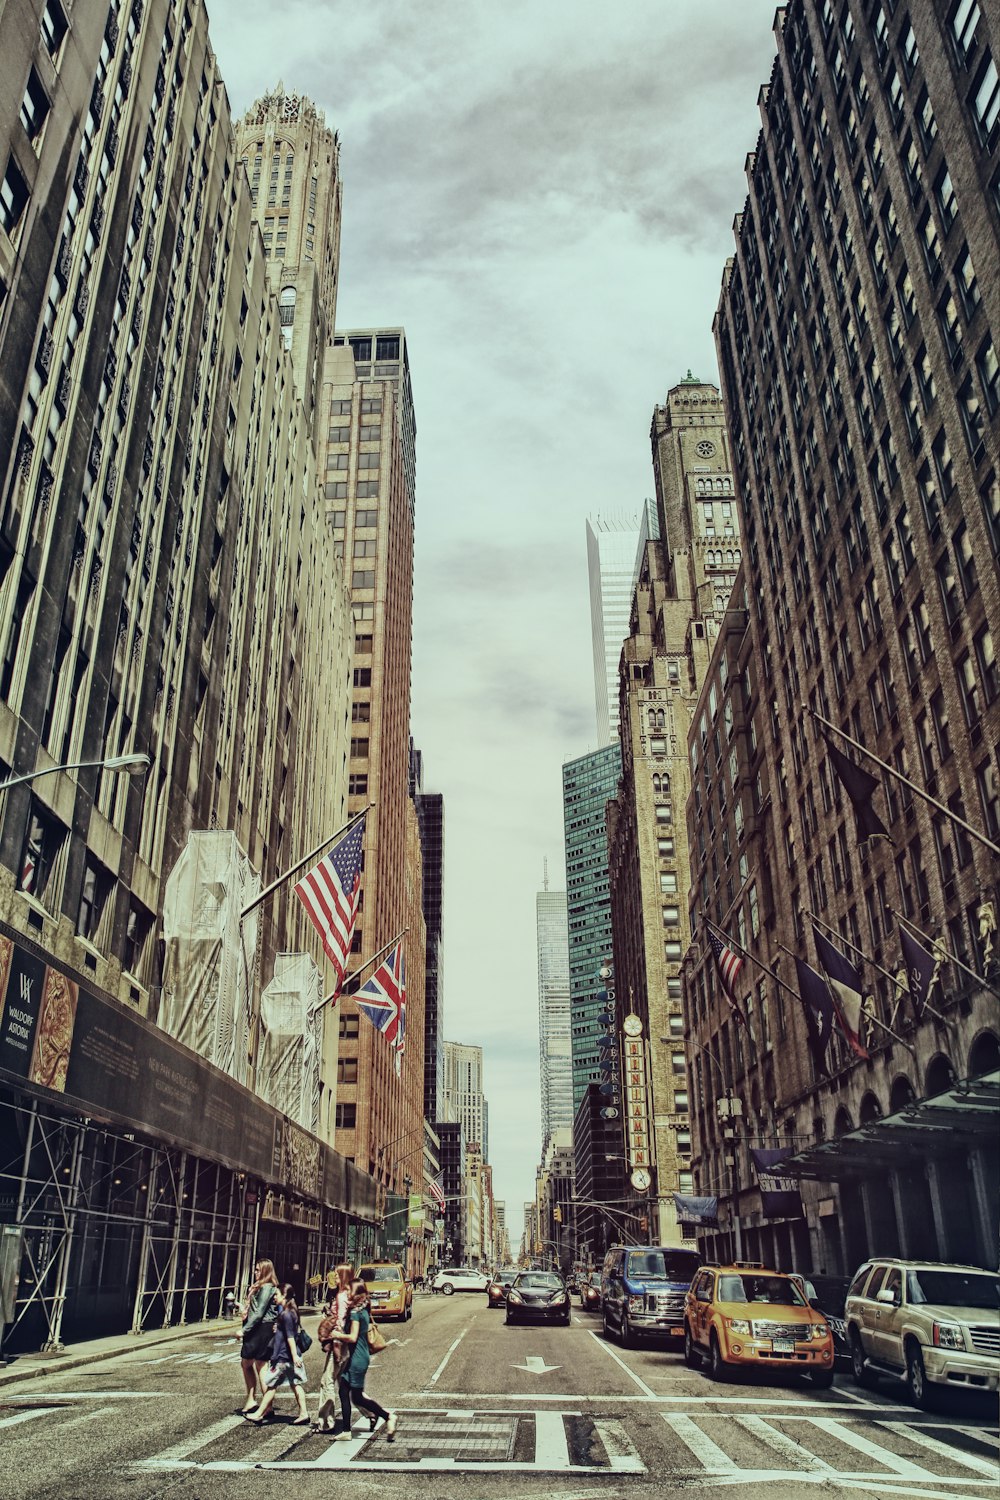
[(703, 1211), (779, 1198)]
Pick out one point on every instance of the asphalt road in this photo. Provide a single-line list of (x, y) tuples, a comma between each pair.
[(485, 1412)]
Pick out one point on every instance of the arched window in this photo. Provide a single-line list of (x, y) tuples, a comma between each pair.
[(842, 1122), (656, 786), (939, 1077), (901, 1094), (984, 1054), (870, 1109)]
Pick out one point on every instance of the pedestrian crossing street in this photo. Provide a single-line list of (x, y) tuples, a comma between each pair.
[(855, 1448)]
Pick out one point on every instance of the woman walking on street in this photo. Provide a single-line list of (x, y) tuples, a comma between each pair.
[(352, 1381), (260, 1312), (286, 1363), (335, 1351)]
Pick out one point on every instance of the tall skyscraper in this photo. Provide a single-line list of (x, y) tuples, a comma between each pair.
[(368, 458), (554, 1051), (589, 783), (464, 1100), (612, 543), (430, 814), (857, 331), (683, 585)]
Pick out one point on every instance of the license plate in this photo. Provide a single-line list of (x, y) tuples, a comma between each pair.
[(782, 1346)]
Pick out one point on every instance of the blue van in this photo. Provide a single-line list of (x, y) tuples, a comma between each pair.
[(643, 1289)]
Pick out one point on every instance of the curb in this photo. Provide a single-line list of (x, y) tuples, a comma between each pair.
[(56, 1364)]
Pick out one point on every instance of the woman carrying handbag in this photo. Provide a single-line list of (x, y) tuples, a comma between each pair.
[(337, 1354), (352, 1381), (286, 1362), (260, 1312)]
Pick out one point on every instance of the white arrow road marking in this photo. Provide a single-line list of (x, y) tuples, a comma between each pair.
[(535, 1365)]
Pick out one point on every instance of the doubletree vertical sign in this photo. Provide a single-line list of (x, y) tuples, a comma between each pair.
[(636, 1102)]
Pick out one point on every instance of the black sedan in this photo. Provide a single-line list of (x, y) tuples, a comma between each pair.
[(538, 1296), (496, 1292), (827, 1295)]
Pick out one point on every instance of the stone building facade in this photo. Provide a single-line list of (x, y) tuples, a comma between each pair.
[(857, 338)]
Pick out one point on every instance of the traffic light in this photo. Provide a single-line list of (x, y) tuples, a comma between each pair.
[(557, 1213), (644, 1222)]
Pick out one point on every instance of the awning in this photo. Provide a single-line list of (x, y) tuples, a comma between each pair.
[(964, 1116)]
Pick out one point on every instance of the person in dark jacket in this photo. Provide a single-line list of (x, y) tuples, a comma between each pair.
[(260, 1311), (352, 1379), (286, 1366)]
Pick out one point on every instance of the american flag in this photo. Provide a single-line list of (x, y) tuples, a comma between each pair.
[(383, 998), (729, 965), (436, 1189), (330, 894)]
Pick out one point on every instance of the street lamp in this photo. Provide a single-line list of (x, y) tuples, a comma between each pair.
[(131, 765)]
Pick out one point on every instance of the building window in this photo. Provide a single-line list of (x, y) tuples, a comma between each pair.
[(43, 841), (987, 664), (346, 1116), (362, 676), (672, 951), (339, 435), (964, 20), (668, 882), (387, 348), (364, 547), (348, 1025), (969, 689), (989, 796), (989, 374), (347, 1070), (13, 197), (53, 27), (97, 886), (362, 579), (34, 107), (357, 786), (986, 99), (368, 460), (359, 748)]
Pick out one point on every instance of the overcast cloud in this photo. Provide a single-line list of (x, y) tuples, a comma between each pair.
[(542, 194)]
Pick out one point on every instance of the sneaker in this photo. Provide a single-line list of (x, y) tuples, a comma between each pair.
[(343, 1437), (390, 1428)]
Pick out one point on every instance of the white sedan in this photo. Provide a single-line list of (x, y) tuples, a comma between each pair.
[(459, 1279)]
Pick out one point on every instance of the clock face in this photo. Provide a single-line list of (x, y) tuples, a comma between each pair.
[(632, 1026), (705, 448), (640, 1179)]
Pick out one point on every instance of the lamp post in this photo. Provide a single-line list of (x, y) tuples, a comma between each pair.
[(131, 765)]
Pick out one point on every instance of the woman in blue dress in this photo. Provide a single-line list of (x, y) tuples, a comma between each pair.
[(352, 1379)]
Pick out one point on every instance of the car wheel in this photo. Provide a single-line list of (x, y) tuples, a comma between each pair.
[(565, 1321), (860, 1372), (508, 1320), (605, 1325), (821, 1379), (448, 1289), (917, 1387), (692, 1356), (717, 1367), (627, 1336)]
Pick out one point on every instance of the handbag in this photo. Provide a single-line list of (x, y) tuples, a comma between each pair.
[(303, 1340), (376, 1339)]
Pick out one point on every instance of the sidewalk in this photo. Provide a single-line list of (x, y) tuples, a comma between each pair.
[(93, 1351)]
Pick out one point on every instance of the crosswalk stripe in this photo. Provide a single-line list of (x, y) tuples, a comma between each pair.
[(24, 1416), (945, 1450), (622, 1454), (708, 1454), (199, 1440), (551, 1448), (845, 1434), (781, 1443)]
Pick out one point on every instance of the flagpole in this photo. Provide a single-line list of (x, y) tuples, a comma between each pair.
[(356, 974), (304, 861), (943, 952), (867, 1015), (755, 961), (898, 775), (864, 957)]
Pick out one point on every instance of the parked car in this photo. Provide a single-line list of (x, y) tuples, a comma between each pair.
[(747, 1316), (590, 1292), (496, 1292), (538, 1296), (643, 1289), (460, 1279), (827, 1295), (925, 1323), (391, 1294)]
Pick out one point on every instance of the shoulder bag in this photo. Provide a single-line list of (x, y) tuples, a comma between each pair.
[(376, 1339)]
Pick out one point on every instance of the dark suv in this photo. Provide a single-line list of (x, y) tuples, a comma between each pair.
[(643, 1289)]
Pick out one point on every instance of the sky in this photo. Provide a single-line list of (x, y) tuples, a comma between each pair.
[(542, 193)]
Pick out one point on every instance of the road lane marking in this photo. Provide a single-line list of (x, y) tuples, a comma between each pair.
[(602, 1343), (711, 1457), (901, 1466), (551, 1447), (88, 1416), (200, 1440), (780, 1442), (622, 1454), (25, 1416), (440, 1369), (88, 1396), (944, 1450), (649, 1400)]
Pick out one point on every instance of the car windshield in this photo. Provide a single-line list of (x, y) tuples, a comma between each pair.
[(954, 1288), (379, 1273), (775, 1289), (662, 1265), (547, 1279), (504, 1278)]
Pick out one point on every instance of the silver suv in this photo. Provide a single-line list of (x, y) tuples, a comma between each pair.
[(926, 1324)]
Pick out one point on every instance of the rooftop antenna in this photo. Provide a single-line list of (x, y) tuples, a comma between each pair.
[(545, 872)]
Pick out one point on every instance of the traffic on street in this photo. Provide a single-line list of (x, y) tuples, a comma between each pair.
[(528, 1410)]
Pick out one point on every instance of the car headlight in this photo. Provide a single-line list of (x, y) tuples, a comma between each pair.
[(514, 1297), (818, 1330), (636, 1304), (949, 1336), (557, 1298), (739, 1325)]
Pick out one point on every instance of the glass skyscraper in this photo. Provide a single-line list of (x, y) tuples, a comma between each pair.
[(613, 543), (588, 783), (554, 1013)]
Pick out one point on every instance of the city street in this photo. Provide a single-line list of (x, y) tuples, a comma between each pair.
[(484, 1410)]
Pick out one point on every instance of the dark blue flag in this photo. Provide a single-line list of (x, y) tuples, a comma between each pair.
[(859, 786), (921, 969), (819, 1010)]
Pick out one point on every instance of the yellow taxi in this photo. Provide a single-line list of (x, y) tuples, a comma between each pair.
[(745, 1316), (390, 1292)]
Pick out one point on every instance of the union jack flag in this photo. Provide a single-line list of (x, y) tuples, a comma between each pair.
[(729, 965), (383, 998), (330, 895), (436, 1189)]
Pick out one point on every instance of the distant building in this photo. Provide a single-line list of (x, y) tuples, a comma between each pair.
[(612, 544), (430, 813), (555, 1060), (463, 1099)]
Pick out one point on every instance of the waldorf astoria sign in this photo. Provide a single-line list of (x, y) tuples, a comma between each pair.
[(60, 1039)]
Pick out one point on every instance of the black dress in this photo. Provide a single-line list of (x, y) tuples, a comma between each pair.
[(258, 1330)]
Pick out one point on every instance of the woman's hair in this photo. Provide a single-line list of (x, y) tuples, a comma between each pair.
[(288, 1296), (266, 1274), (345, 1276), (359, 1293)]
